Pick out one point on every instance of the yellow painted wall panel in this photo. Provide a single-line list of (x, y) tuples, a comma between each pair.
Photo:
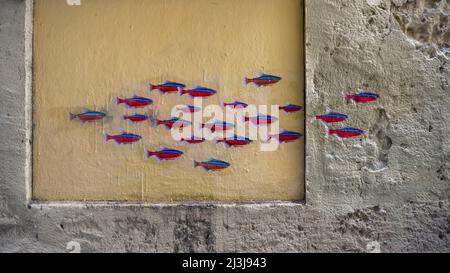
[(85, 56)]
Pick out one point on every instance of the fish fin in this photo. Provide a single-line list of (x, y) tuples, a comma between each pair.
[(153, 121), (196, 164), (162, 147), (181, 91), (147, 154), (120, 101)]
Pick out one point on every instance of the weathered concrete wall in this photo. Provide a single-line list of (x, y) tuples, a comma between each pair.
[(391, 189)]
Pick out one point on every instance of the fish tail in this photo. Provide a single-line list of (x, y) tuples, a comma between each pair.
[(153, 121), (119, 100), (197, 164), (246, 119), (108, 137), (269, 138), (152, 87), (181, 91), (125, 117), (149, 154), (348, 97), (247, 80), (332, 132), (72, 116)]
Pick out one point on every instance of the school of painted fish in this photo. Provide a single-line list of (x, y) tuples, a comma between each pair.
[(165, 153)]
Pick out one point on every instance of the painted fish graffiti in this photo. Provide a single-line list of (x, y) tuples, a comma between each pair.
[(264, 80), (332, 117), (193, 140), (88, 116), (168, 87), (346, 132), (261, 120), (189, 109), (363, 97), (164, 154), (136, 118), (135, 102), (199, 92), (218, 126), (212, 165), (173, 123), (286, 137), (124, 138), (235, 141), (291, 108), (236, 105)]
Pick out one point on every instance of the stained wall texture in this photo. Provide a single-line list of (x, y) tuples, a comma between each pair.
[(88, 55), (389, 192)]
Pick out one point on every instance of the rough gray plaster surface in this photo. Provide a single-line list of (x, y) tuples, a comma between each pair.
[(388, 192)]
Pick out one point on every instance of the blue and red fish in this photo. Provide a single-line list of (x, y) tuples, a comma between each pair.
[(124, 138), (363, 97), (88, 116), (189, 109), (286, 136), (136, 118), (135, 102), (261, 119), (291, 108), (193, 140), (332, 117), (168, 87), (164, 154), (236, 105), (174, 122), (199, 92), (235, 141), (346, 132), (212, 165), (264, 80), (218, 126)]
